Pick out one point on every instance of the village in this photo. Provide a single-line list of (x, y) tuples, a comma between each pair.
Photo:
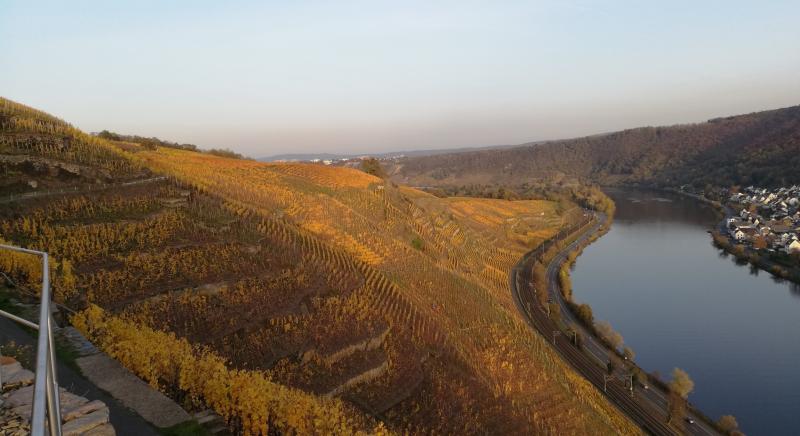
[(767, 219)]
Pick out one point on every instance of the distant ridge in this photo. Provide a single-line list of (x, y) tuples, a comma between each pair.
[(300, 157), (761, 148)]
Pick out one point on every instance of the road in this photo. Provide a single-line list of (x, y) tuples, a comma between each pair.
[(646, 407)]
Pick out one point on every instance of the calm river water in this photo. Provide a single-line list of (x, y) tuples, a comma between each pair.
[(680, 302)]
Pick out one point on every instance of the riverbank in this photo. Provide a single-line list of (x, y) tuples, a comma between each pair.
[(579, 346), (723, 240), (678, 301)]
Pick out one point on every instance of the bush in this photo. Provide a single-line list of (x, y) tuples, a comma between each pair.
[(585, 315), (373, 166), (609, 335), (727, 424), (224, 152)]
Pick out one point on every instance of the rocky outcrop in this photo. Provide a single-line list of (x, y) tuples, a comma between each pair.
[(80, 417)]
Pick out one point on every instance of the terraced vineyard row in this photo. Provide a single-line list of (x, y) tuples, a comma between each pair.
[(304, 278)]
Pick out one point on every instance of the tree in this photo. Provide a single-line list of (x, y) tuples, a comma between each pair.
[(728, 424), (584, 313), (681, 383), (224, 152), (759, 243), (629, 354), (608, 334), (373, 166), (564, 282), (639, 375), (676, 408), (555, 312), (540, 283)]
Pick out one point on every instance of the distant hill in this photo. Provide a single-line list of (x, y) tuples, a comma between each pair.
[(760, 148), (304, 157)]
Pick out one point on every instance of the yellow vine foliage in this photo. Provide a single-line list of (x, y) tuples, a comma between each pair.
[(246, 397), (20, 264)]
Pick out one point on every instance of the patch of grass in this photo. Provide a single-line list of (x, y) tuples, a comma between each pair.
[(187, 428), (22, 353), (7, 302), (66, 354)]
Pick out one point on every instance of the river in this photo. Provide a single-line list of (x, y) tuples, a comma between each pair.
[(680, 302)]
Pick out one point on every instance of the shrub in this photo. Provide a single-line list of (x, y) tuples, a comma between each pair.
[(584, 313)]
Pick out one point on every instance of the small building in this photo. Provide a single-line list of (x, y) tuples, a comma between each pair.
[(793, 247), (781, 229)]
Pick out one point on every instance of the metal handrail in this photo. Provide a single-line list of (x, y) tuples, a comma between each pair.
[(46, 402)]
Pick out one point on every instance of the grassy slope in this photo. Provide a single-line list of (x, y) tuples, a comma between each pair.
[(458, 357)]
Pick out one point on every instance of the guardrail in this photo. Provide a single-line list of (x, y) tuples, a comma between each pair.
[(46, 413)]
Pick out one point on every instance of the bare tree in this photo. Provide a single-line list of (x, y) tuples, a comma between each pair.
[(608, 333), (681, 383)]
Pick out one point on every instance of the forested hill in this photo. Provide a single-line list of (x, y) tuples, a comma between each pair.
[(760, 148)]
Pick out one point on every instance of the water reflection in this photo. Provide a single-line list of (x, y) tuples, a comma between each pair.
[(656, 278)]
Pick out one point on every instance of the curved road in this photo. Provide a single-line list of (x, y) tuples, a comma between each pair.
[(646, 407)]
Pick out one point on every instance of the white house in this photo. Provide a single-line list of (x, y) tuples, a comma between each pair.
[(793, 247), (739, 235), (770, 197)]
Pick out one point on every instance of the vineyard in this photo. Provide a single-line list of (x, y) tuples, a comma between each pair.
[(366, 303)]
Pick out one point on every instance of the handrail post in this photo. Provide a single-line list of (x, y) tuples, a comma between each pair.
[(46, 401), (42, 389), (54, 406)]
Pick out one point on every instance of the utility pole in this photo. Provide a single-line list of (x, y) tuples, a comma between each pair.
[(574, 335), (630, 376)]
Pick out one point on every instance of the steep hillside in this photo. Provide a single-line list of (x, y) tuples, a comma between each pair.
[(300, 297), (761, 148), (38, 151)]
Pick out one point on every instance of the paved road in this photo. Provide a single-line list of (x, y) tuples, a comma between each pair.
[(648, 408)]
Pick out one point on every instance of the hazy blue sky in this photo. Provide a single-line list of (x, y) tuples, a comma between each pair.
[(355, 76)]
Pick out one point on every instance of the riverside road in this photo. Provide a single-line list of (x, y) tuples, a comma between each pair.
[(646, 407)]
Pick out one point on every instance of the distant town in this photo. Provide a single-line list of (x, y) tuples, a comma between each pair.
[(767, 219)]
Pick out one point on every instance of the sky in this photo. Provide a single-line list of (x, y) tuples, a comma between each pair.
[(264, 78)]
